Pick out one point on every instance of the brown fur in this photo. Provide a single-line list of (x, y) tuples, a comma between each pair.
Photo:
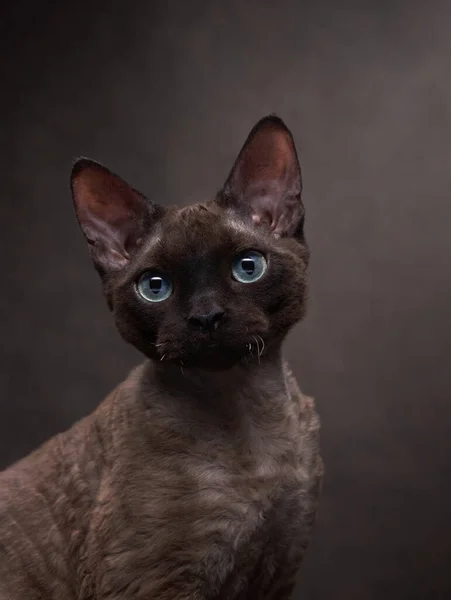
[(198, 477)]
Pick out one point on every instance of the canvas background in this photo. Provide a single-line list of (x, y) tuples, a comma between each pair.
[(164, 93)]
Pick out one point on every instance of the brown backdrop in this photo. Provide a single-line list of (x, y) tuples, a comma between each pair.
[(165, 95)]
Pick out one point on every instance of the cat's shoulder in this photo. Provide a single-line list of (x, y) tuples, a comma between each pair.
[(305, 405)]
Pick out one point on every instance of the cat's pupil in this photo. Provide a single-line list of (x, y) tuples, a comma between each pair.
[(155, 285), (248, 265)]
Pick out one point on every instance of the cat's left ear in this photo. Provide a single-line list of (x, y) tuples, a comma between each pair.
[(113, 216), (266, 179)]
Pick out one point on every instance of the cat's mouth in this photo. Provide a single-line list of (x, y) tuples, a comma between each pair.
[(212, 354)]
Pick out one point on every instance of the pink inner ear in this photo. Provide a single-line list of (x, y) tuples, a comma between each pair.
[(268, 158), (102, 196), (112, 215), (267, 177)]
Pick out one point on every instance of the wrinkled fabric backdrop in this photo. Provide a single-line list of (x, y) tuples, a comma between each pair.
[(165, 94)]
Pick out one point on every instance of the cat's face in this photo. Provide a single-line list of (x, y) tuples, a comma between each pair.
[(211, 284)]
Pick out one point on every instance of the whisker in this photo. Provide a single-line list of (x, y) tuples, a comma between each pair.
[(162, 358), (258, 348), (263, 344), (257, 344)]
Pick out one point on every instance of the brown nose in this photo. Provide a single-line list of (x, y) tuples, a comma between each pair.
[(207, 322)]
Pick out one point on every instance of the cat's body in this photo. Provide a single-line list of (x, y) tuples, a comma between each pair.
[(97, 513), (198, 477)]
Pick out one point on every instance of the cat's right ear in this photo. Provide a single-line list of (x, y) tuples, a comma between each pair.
[(265, 180), (113, 216)]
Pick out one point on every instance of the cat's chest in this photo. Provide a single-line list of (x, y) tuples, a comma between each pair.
[(209, 514), (220, 501), (239, 479), (243, 510)]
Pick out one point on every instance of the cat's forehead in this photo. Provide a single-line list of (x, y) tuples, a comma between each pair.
[(199, 228)]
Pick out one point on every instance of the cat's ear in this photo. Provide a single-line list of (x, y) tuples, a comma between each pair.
[(266, 179), (113, 216)]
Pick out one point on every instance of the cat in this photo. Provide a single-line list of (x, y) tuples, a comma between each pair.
[(198, 477)]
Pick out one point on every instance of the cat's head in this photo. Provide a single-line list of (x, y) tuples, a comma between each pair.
[(210, 284)]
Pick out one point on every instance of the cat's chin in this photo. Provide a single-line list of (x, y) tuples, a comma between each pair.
[(210, 358), (213, 363)]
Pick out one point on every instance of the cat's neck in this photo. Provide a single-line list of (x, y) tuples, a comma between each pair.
[(232, 390), (243, 375)]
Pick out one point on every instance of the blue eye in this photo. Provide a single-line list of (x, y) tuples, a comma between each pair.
[(153, 287), (249, 266)]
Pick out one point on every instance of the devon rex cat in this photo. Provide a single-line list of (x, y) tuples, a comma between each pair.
[(197, 478)]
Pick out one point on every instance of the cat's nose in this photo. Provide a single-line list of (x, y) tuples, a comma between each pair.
[(207, 321)]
